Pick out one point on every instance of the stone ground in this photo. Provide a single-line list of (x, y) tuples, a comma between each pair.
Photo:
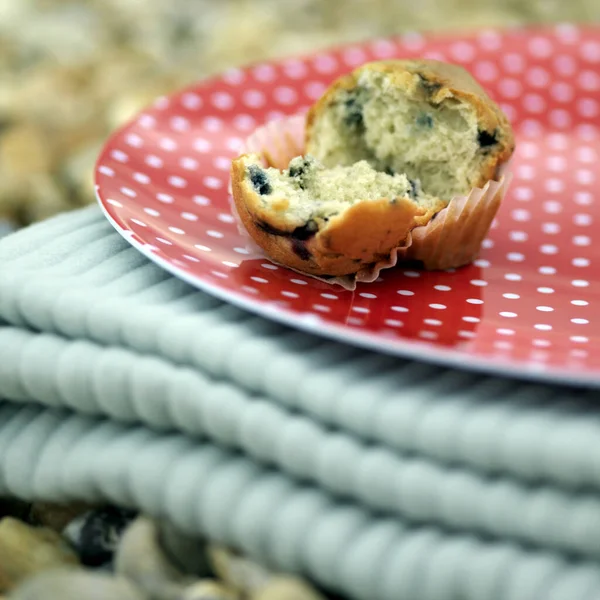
[(77, 552)]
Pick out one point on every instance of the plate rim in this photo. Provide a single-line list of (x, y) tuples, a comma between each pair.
[(411, 349)]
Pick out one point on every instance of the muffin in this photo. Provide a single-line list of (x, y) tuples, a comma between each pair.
[(327, 222), (388, 147), (425, 118)]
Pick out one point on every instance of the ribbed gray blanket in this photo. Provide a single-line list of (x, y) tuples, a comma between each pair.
[(380, 478)]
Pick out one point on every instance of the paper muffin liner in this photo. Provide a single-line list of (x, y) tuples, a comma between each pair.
[(452, 238)]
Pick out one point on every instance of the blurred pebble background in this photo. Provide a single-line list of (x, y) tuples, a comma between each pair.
[(72, 71)]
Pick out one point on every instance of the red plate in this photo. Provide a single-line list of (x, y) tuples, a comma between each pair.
[(526, 307)]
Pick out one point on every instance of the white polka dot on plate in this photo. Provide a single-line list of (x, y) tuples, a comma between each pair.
[(513, 63), (222, 100), (165, 198), (580, 283), (180, 124), (469, 319), (556, 163), (202, 145), (134, 140), (214, 183), (529, 150), (580, 262), (201, 200), (212, 124), (354, 56), (244, 122), (554, 185), (538, 77), (393, 323), (222, 163), (141, 178), (534, 103), (462, 51), (325, 63), (548, 249), (589, 81), (466, 334), (234, 76), (544, 308), (294, 69), (128, 192), (552, 207), (285, 95), (106, 171), (120, 156), (191, 101), (520, 214), (585, 176), (586, 154), (154, 161), (523, 193), (486, 71), (505, 331), (253, 98), (582, 240), (235, 144), (518, 236), (588, 108), (526, 172), (189, 164), (540, 47), (176, 181), (146, 121), (321, 308), (560, 118), (539, 343), (264, 73), (314, 89), (168, 144), (590, 51)]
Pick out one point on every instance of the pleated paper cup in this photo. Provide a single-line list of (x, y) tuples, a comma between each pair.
[(451, 239)]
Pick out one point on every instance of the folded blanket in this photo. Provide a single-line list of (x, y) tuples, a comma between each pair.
[(378, 477)]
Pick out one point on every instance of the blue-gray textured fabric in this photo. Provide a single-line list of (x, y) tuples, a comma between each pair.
[(380, 477)]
